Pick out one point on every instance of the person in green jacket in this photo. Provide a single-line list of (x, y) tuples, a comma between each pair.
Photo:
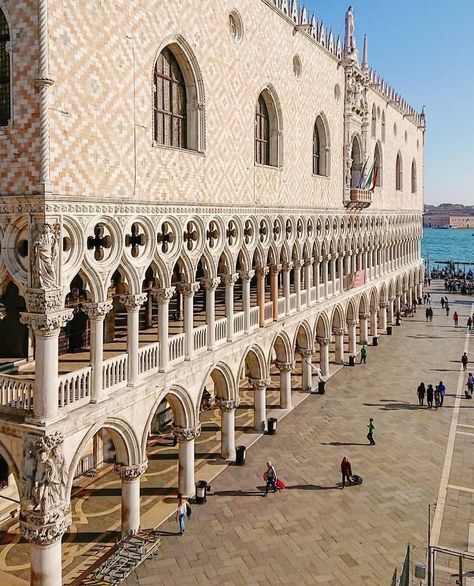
[(370, 435), (363, 354)]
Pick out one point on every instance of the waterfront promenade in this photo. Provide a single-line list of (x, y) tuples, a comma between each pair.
[(315, 533)]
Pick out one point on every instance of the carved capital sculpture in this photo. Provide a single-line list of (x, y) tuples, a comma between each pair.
[(230, 279), (47, 324), (305, 352), (246, 275), (287, 266), (40, 301), (323, 341), (133, 302), (164, 295), (308, 262), (275, 269), (45, 534), (364, 315), (259, 384), (186, 434), (97, 310), (188, 289), (285, 366), (129, 473), (227, 404), (262, 271)]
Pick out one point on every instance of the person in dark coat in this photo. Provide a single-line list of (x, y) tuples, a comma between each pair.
[(429, 396), (421, 393), (346, 472)]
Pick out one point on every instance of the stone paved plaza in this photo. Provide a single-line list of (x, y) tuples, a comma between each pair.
[(315, 533)]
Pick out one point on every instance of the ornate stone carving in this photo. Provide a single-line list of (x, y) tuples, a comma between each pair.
[(352, 322), (45, 256), (211, 284), (188, 289), (47, 324), (308, 262), (129, 473), (305, 352), (383, 304), (186, 434), (285, 366), (230, 279), (133, 302), (364, 315), (262, 271), (45, 534), (164, 295), (43, 480), (97, 310), (274, 269), (227, 404), (323, 341), (338, 331), (39, 301), (287, 266), (247, 275), (259, 384)]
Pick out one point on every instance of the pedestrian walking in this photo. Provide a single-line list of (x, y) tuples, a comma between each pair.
[(363, 354), (442, 302), (346, 471), (456, 318), (464, 361), (442, 393), (436, 397), (421, 393), (431, 314), (469, 323), (428, 298), (270, 476), (429, 396), (447, 309), (181, 513), (370, 435), (427, 313), (470, 384)]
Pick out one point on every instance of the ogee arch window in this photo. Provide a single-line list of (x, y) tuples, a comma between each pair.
[(5, 82), (262, 133), (399, 173), (320, 148)]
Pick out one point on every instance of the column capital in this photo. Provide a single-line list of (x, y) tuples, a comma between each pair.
[(307, 352), (129, 473), (287, 266), (258, 384), (230, 278), (262, 271), (44, 534), (246, 275), (227, 404), (391, 299), (364, 315), (211, 283), (285, 366), (164, 294), (383, 304), (47, 324), (188, 289), (298, 263), (41, 301), (308, 261), (275, 269), (352, 322), (338, 331), (133, 302), (186, 434), (98, 310), (323, 341)]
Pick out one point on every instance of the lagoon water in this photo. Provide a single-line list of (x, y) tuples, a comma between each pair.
[(450, 244)]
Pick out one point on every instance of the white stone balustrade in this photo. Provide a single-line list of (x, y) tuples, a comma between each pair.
[(148, 358), (221, 329), (254, 314), (176, 347), (239, 322), (16, 393), (268, 310), (75, 387), (114, 372), (200, 338)]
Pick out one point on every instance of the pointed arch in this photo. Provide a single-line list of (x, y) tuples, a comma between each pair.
[(322, 328), (356, 156), (321, 146), (399, 172), (303, 337), (378, 168), (254, 363), (281, 346), (337, 317), (413, 177), (268, 128), (224, 384), (373, 125)]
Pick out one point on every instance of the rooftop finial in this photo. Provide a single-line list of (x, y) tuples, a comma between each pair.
[(365, 57), (350, 47)]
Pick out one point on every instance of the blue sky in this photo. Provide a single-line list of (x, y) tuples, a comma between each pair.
[(425, 50)]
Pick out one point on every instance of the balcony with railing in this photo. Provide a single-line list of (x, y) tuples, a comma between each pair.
[(360, 199)]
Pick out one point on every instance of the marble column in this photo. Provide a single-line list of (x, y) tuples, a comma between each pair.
[(230, 281), (130, 477), (96, 313), (352, 332), (363, 328), (297, 272), (324, 354), (285, 369), (210, 285), (163, 297), (316, 279), (246, 277), (260, 404), (365, 265), (262, 272), (45, 546), (325, 277), (46, 327), (308, 263), (398, 303), (133, 304), (188, 290), (390, 311), (340, 261), (287, 267), (274, 272), (227, 408), (339, 343), (306, 368), (186, 437), (382, 317), (373, 322)]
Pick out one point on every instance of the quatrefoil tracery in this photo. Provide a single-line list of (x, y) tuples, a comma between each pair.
[(231, 233), (191, 236), (99, 242), (263, 230), (135, 240), (248, 231), (212, 233), (166, 237)]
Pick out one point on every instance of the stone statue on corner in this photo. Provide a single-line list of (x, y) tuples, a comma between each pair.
[(45, 253)]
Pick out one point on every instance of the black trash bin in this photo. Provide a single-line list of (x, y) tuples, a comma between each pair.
[(240, 455), (398, 321), (201, 492), (272, 425), (375, 341), (321, 387), (389, 330), (351, 360)]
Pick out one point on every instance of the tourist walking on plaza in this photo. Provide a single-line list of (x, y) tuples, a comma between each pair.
[(429, 396), (363, 354), (470, 384), (270, 476), (469, 323), (346, 471), (427, 313), (431, 314), (436, 397), (456, 318), (370, 435), (442, 392), (421, 393), (181, 513), (464, 360), (428, 298), (447, 309), (442, 302)]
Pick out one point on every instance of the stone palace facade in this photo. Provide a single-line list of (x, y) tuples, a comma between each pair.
[(190, 198)]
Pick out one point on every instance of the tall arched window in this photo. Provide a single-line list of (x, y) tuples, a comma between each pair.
[(356, 156), (373, 127), (262, 133), (5, 97), (268, 139), (320, 148), (378, 165), (413, 176), (383, 127), (399, 173)]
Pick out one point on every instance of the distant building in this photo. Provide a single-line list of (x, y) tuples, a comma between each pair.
[(461, 221), (431, 220)]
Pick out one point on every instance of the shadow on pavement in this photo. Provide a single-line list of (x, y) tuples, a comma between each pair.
[(343, 443), (392, 406)]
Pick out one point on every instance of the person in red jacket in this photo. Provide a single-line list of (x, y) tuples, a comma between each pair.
[(346, 471)]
